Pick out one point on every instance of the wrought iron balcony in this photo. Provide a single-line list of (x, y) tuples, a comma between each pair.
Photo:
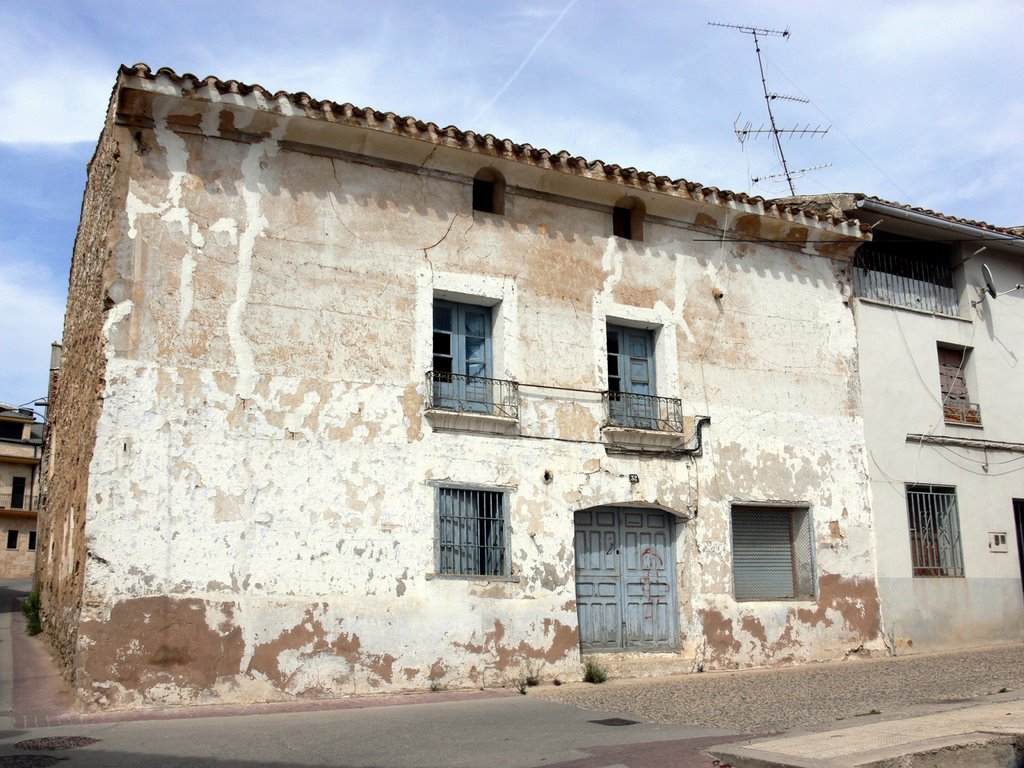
[(18, 500), (473, 394), (962, 413), (635, 411)]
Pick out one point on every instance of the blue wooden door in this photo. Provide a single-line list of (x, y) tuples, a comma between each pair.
[(625, 579)]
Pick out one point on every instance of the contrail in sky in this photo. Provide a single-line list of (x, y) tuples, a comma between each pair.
[(525, 61)]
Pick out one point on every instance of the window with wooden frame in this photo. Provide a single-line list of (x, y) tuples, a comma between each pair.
[(772, 553), (956, 405), (472, 532), (462, 358)]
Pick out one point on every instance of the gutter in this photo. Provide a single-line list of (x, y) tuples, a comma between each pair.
[(968, 230)]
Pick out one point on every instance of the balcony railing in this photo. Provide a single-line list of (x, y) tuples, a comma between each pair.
[(473, 394), (627, 409), (18, 501), (893, 279), (962, 413)]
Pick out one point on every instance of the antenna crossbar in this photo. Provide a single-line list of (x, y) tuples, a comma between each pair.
[(776, 133), (751, 30)]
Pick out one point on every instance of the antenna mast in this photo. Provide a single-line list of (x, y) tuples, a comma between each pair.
[(743, 133)]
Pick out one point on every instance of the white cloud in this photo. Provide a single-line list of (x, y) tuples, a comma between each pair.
[(31, 317)]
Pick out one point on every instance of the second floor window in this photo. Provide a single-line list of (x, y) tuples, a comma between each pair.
[(956, 405), (462, 362), (631, 377)]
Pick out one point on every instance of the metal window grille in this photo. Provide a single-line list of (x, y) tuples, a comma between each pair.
[(472, 532), (772, 554), (906, 282), (934, 521)]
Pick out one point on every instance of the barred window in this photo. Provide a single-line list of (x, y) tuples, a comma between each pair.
[(472, 532), (934, 522), (772, 556)]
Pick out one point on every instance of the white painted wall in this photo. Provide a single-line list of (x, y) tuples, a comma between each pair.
[(900, 379), (262, 478)]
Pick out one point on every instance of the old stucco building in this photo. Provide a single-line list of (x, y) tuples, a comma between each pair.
[(352, 402)]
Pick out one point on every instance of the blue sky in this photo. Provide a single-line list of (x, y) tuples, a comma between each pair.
[(923, 99)]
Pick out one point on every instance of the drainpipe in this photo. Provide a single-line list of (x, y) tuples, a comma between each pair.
[(968, 230)]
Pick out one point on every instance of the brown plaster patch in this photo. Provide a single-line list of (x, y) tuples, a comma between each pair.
[(719, 633), (410, 672), (753, 626), (410, 402), (158, 640), (501, 657), (705, 220), (856, 600)]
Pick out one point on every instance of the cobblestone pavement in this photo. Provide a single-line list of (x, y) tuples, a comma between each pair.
[(770, 700)]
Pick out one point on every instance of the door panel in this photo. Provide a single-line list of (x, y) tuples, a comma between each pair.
[(625, 579)]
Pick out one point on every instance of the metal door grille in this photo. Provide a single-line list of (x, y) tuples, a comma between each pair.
[(934, 521), (471, 532)]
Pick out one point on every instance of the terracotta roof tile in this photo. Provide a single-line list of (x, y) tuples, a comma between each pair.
[(487, 143)]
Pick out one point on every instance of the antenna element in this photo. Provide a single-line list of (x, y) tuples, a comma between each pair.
[(747, 131)]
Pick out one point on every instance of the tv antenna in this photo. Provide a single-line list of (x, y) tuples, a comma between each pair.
[(747, 131)]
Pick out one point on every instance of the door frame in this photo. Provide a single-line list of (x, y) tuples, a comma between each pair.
[(673, 597)]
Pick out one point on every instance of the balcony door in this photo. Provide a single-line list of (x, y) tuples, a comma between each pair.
[(462, 357)]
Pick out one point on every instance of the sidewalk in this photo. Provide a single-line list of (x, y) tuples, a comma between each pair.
[(981, 735)]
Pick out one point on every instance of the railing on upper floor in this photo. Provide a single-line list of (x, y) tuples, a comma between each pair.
[(904, 282), (18, 500), (473, 394), (636, 411)]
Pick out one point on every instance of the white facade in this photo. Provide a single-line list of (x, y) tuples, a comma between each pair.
[(925, 449), (269, 490)]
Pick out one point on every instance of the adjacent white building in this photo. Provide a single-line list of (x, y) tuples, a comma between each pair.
[(940, 321)]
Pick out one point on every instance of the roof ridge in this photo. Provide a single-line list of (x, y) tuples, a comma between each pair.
[(563, 159)]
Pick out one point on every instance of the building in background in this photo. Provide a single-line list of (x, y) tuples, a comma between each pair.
[(21, 450), (940, 321), (352, 402)]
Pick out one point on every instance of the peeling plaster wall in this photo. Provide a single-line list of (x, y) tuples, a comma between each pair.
[(900, 373), (260, 517)]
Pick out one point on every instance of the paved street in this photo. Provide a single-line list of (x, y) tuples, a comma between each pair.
[(770, 700), (847, 712)]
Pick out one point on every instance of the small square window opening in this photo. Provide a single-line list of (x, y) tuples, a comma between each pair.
[(472, 532)]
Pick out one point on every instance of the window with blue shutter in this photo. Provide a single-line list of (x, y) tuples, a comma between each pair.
[(462, 357), (631, 378)]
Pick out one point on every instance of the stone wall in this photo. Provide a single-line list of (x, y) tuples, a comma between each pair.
[(76, 402)]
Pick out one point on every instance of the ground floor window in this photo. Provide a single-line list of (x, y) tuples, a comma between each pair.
[(772, 553), (31, 541), (12, 539), (472, 532), (934, 522)]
